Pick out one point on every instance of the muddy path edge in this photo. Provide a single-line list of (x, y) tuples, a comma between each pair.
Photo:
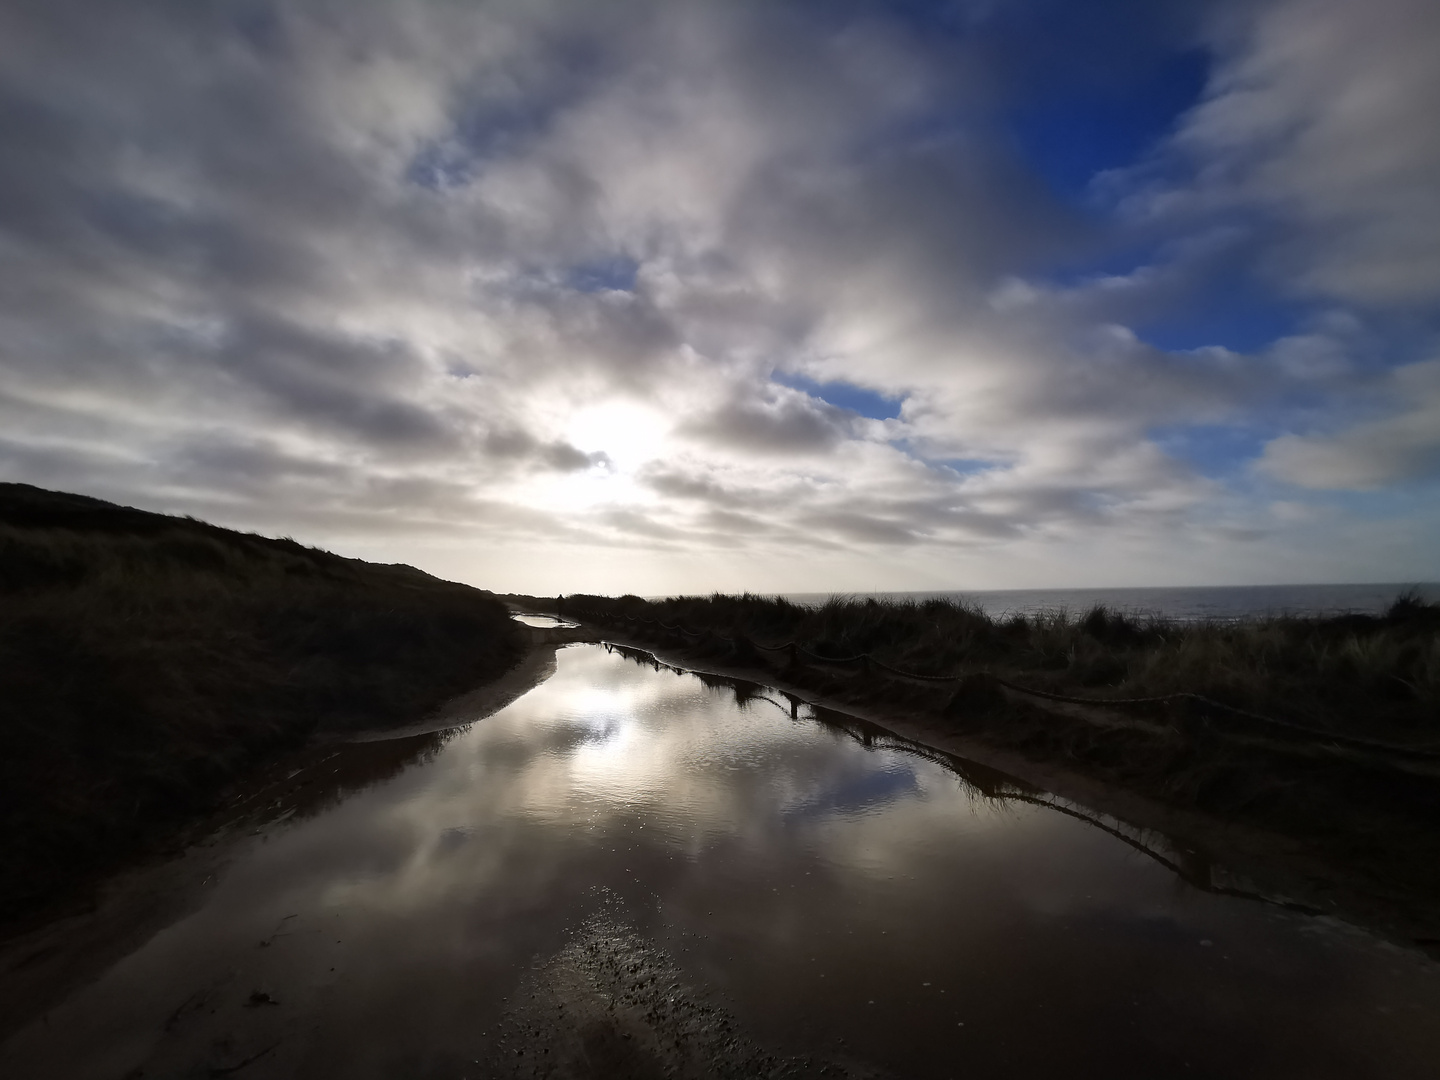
[(1282, 868), (50, 957)]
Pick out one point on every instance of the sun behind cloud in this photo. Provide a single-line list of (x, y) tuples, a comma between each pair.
[(793, 296)]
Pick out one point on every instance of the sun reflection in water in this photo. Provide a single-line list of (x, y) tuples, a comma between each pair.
[(822, 883)]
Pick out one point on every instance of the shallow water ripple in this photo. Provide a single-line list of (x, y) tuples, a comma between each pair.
[(633, 872)]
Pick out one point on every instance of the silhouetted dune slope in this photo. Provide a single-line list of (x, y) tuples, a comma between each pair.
[(147, 660)]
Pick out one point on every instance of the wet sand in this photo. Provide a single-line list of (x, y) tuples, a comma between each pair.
[(55, 954)]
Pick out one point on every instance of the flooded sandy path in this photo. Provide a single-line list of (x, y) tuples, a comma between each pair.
[(633, 872)]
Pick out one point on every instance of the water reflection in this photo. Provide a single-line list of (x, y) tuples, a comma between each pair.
[(322, 777), (682, 865), (541, 620)]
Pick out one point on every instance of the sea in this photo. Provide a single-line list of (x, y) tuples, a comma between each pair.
[(1222, 603)]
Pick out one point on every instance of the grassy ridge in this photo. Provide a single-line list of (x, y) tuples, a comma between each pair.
[(1376, 676), (146, 661), (1355, 823)]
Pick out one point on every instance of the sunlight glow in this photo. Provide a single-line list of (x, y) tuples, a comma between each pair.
[(629, 434)]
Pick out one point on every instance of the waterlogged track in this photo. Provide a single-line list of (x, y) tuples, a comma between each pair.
[(631, 872)]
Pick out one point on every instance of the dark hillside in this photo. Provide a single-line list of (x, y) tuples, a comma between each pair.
[(147, 660)]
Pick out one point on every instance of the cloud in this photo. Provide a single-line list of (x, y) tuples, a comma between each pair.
[(525, 280), (1321, 116), (1401, 447), (557, 454), (781, 421)]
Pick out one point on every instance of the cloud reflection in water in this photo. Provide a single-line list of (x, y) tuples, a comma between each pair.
[(824, 889)]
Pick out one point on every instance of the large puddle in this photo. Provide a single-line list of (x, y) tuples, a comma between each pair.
[(629, 872)]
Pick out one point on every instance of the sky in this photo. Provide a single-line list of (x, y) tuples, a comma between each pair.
[(665, 296)]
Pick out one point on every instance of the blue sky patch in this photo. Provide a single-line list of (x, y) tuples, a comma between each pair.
[(1069, 137), (1214, 450), (1248, 327), (1232, 308), (615, 272), (963, 466), (844, 395), (1096, 85), (440, 166), (860, 791)]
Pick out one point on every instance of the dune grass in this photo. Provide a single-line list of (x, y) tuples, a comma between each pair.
[(147, 661), (1361, 674), (1346, 786)]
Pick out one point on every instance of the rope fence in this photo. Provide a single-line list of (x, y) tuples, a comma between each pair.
[(798, 652)]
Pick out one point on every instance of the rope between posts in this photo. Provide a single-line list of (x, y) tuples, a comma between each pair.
[(912, 675), (831, 659), (1356, 742)]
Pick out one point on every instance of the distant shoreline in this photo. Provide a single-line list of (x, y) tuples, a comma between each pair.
[(1183, 602)]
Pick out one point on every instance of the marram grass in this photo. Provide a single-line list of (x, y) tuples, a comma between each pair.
[(148, 661)]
